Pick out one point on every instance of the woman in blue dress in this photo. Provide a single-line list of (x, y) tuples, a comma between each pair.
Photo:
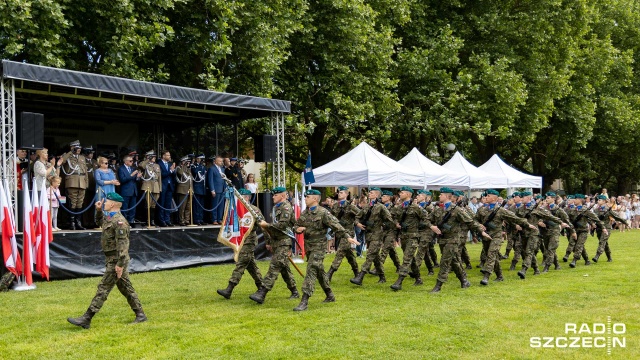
[(105, 179)]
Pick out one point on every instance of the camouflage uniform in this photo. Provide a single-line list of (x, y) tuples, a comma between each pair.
[(246, 258), (581, 229), (426, 240), (604, 214), (6, 280), (551, 237), (378, 217), (280, 243), (530, 237), (409, 218), (346, 214), (115, 245), (463, 253), (389, 240), (316, 220), (572, 242)]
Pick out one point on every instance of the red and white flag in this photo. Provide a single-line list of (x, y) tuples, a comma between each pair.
[(46, 235), (237, 223), (298, 210), (10, 251), (28, 236)]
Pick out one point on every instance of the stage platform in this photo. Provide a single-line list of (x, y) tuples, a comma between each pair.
[(76, 254)]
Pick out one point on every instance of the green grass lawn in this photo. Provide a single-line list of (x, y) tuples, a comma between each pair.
[(188, 320)]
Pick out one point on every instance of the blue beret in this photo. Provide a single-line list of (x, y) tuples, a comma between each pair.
[(525, 193), (114, 197), (550, 193), (492, 192), (580, 196), (446, 190), (374, 188), (343, 188), (406, 188), (278, 190), (244, 192), (387, 192), (312, 192), (426, 192)]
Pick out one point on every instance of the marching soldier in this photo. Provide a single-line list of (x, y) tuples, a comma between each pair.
[(183, 187), (580, 217), (513, 235), (423, 199), (115, 245), (346, 213), (551, 232), (465, 259), (246, 258), (151, 181), (279, 244), (408, 222), (491, 217), (389, 232), (572, 241), (74, 167), (314, 223), (605, 213), (199, 173)]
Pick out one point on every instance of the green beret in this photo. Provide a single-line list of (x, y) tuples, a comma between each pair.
[(406, 188), (115, 197), (387, 192), (446, 190), (525, 193), (278, 190), (602, 197), (580, 196), (571, 197), (516, 193), (538, 197), (312, 192), (426, 192), (492, 192), (244, 192), (343, 188), (550, 193), (374, 188), (458, 193)]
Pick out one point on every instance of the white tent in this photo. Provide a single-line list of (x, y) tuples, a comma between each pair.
[(515, 178), (435, 175), (365, 166), (478, 179)]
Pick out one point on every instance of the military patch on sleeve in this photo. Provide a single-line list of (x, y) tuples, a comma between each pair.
[(121, 232)]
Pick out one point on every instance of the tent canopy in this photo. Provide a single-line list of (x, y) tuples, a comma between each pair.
[(478, 179), (515, 178), (365, 166), (435, 176)]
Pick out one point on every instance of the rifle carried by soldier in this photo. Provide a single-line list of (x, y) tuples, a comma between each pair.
[(445, 219)]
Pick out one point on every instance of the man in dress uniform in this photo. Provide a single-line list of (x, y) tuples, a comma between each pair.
[(199, 174), (246, 258), (279, 243), (115, 245), (89, 195), (605, 213), (184, 185), (346, 212), (314, 223), (76, 181), (151, 181), (234, 173)]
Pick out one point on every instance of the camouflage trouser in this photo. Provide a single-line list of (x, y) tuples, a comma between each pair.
[(572, 246), (492, 249), (464, 253), (552, 242), (345, 250), (184, 213), (449, 261), (423, 251), (279, 265), (246, 261), (315, 268), (109, 279), (516, 240), (76, 197), (6, 281), (388, 248), (373, 252), (579, 248), (603, 244), (529, 249), (409, 245)]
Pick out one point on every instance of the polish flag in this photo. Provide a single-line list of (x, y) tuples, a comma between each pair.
[(297, 210), (28, 236), (11, 258), (46, 235)]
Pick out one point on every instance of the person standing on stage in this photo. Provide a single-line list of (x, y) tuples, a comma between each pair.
[(129, 177), (199, 174), (151, 181), (216, 187), (76, 181), (167, 171)]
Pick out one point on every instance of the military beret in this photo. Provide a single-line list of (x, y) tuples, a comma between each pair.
[(538, 197), (75, 143), (233, 159), (343, 188), (200, 156), (244, 192), (525, 193), (312, 192), (185, 158), (550, 193), (113, 196), (492, 192), (458, 193), (446, 190), (387, 192), (571, 197), (580, 196), (426, 192), (516, 193), (375, 188), (278, 190), (406, 188), (601, 197)]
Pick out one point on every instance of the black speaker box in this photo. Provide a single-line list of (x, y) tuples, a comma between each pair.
[(30, 131), (265, 148), (265, 204)]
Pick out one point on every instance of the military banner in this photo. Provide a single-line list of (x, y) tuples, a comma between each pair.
[(237, 223)]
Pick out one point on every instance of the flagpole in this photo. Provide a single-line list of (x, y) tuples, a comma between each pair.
[(22, 281)]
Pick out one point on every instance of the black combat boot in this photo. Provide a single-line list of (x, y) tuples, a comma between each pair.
[(140, 316), (152, 216), (513, 265), (437, 287), (609, 258), (79, 220), (546, 269), (226, 293), (556, 264), (506, 255), (587, 262), (294, 294), (355, 271), (595, 258), (522, 273), (499, 274), (418, 281), (398, 284), (502, 257), (382, 280), (566, 257), (258, 284), (372, 272), (72, 221), (330, 273), (259, 295), (485, 279), (464, 283), (303, 303), (573, 264), (330, 297), (536, 271), (358, 279), (83, 321)]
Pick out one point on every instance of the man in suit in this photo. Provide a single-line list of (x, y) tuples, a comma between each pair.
[(198, 171), (216, 186), (167, 171), (128, 176)]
